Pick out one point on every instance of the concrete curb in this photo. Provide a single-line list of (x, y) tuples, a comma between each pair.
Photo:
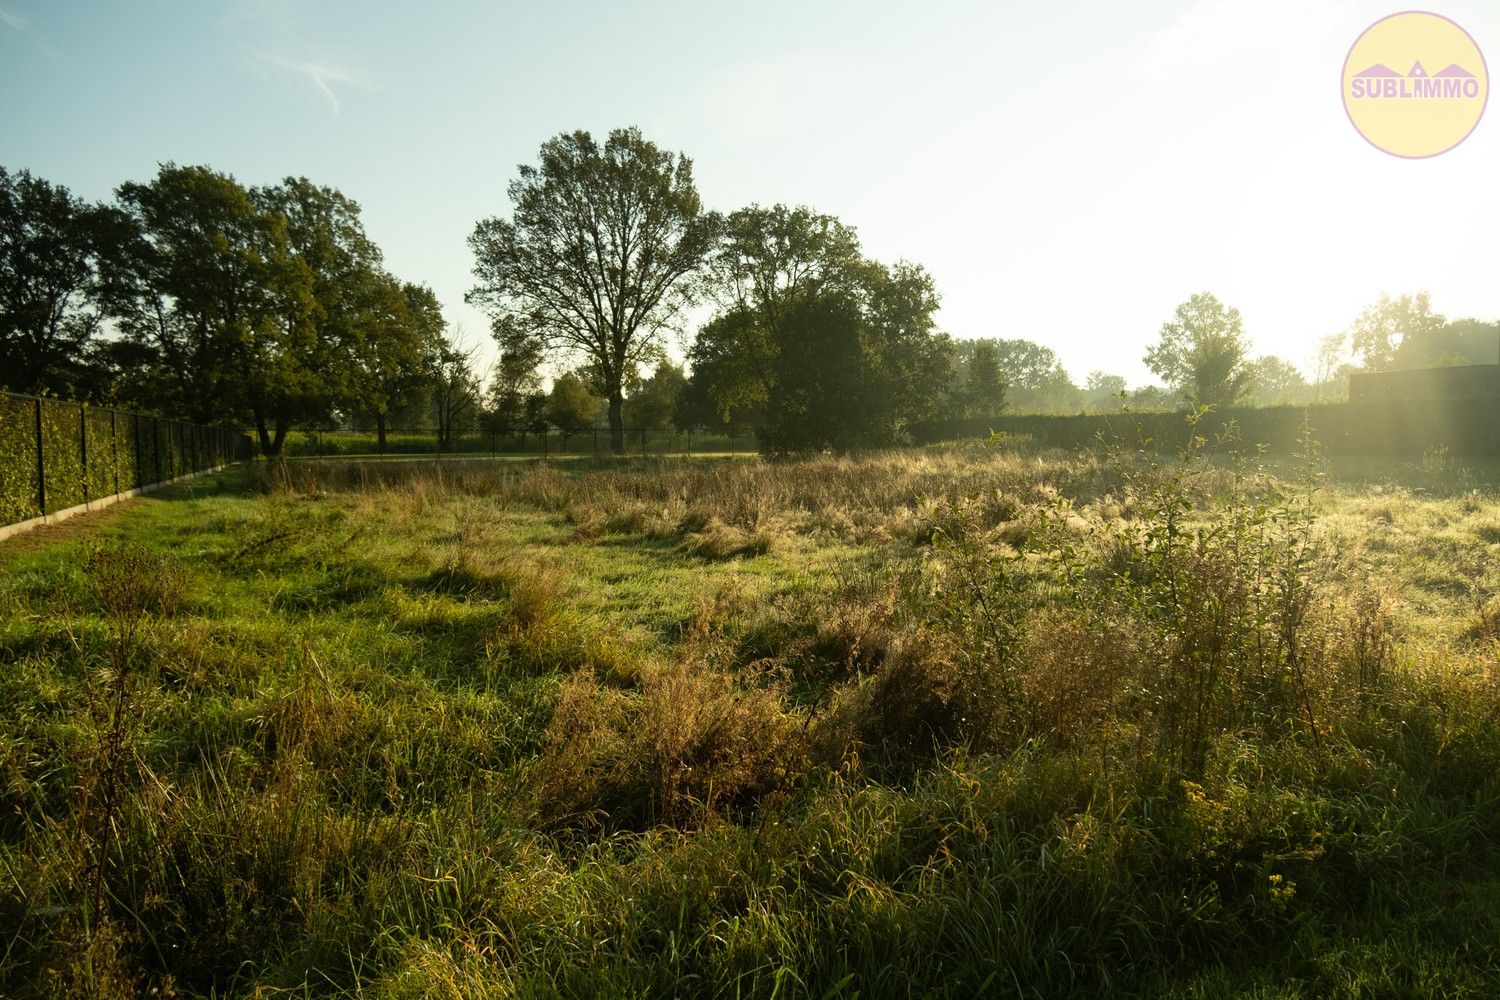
[(99, 504)]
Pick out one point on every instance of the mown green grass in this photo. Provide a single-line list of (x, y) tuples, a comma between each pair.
[(842, 727)]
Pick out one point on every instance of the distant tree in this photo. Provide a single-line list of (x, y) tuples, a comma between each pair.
[(50, 249), (653, 402), (397, 347), (983, 392), (1457, 342), (454, 390), (571, 408), (1201, 353), (1336, 388), (598, 257), (1153, 398), (536, 414), (515, 383), (1103, 391), (813, 344), (1275, 381), (1332, 350), (1383, 328), (1035, 379)]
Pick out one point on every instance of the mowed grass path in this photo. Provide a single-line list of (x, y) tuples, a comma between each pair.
[(722, 728)]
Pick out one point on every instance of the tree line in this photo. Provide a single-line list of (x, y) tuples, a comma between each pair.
[(1202, 353), (270, 308), (193, 295)]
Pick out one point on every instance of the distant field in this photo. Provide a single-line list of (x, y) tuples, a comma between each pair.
[(960, 721)]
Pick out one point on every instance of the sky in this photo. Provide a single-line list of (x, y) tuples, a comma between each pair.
[(1069, 172)]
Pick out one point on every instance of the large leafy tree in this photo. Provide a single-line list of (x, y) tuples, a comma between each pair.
[(50, 249), (327, 332), (1201, 353), (265, 305), (915, 362), (598, 257), (211, 288), (826, 384), (818, 346), (396, 347), (770, 261)]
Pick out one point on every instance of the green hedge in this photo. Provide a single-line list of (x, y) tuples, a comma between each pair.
[(18, 499), (662, 441), (1465, 426), (89, 453)]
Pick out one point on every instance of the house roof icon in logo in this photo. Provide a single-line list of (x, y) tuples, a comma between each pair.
[(1454, 70), (1417, 71), (1378, 70)]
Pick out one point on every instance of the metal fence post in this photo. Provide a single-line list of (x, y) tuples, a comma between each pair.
[(156, 444), (41, 466), (83, 450), (114, 449)]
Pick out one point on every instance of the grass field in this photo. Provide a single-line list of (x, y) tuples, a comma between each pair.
[(956, 722)]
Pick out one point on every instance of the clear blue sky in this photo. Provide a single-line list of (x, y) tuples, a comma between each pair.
[(1069, 172)]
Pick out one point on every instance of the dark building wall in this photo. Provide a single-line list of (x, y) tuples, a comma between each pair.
[(1459, 382)]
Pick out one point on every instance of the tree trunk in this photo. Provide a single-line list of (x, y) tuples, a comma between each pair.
[(262, 431), (380, 432), (282, 426), (616, 421)]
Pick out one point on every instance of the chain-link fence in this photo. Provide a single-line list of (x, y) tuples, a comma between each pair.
[(56, 455)]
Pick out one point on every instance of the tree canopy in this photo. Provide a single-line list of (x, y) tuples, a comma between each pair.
[(598, 257), (1383, 328), (1201, 353), (815, 345), (198, 296), (983, 391), (270, 307), (50, 282)]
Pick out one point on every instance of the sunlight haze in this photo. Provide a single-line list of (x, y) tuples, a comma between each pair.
[(1068, 172)]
